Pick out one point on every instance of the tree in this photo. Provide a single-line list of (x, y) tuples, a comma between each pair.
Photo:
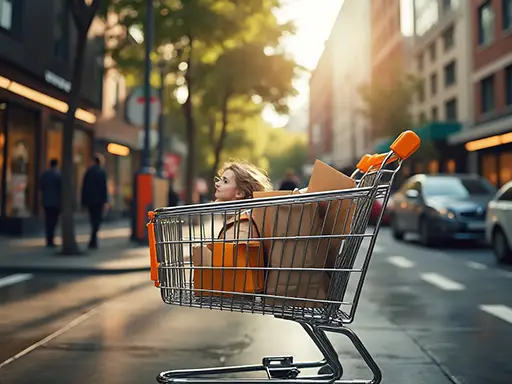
[(388, 107), (202, 33), (83, 13)]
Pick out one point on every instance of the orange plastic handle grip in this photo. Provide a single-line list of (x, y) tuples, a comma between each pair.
[(405, 144), (363, 165), (376, 160), (153, 263)]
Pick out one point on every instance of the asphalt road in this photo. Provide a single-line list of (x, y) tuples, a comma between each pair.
[(427, 316)]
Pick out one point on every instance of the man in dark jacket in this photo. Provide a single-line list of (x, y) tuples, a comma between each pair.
[(94, 196), (50, 186)]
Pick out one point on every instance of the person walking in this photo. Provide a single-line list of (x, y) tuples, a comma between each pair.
[(95, 197), (50, 186)]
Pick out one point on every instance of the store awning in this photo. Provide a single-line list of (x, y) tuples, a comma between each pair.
[(433, 131)]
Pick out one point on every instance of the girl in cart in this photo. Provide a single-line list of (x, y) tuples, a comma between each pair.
[(235, 181)]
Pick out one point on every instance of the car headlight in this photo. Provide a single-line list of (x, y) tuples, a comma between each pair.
[(445, 212)]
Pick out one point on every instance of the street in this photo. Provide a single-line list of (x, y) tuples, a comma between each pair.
[(427, 316)]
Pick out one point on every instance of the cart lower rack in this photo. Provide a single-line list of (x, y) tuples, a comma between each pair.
[(302, 257)]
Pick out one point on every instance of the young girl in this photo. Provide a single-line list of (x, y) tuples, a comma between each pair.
[(236, 181)]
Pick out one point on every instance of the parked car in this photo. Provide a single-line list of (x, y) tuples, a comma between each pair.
[(441, 207), (498, 226), (375, 212)]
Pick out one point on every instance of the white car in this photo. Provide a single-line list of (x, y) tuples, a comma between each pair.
[(498, 228)]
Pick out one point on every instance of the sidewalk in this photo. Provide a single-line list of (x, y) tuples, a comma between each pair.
[(116, 253)]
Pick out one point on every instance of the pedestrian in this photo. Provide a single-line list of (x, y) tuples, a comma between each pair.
[(50, 186), (290, 182), (94, 196), (173, 198)]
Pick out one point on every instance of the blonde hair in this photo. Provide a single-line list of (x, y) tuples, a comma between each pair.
[(248, 177)]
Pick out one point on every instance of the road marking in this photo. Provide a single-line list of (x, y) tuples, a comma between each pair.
[(507, 274), (48, 338), (14, 279), (475, 265), (442, 282), (400, 262), (500, 311)]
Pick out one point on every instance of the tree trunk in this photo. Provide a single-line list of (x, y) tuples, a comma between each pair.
[(219, 144), (191, 133), (69, 244)]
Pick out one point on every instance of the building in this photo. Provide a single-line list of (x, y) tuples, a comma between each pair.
[(442, 61), (338, 131), (320, 133), (489, 139), (37, 37)]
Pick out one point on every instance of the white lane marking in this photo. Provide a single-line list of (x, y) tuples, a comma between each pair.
[(500, 311), (400, 262), (48, 338), (442, 282), (507, 274), (14, 279), (475, 265)]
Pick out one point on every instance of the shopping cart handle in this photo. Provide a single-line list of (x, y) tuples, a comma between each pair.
[(363, 164), (376, 160), (405, 144)]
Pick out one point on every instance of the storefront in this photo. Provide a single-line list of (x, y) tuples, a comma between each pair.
[(31, 115), (489, 148)]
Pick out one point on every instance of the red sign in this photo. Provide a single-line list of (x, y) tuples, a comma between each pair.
[(171, 164)]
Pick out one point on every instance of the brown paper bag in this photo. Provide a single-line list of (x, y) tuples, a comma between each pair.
[(289, 220), (338, 218)]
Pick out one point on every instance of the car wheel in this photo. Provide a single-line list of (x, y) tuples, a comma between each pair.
[(425, 237), (501, 248), (397, 234)]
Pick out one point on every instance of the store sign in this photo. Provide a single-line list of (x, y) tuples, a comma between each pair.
[(57, 81)]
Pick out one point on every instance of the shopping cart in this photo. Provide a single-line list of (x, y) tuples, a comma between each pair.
[(197, 262)]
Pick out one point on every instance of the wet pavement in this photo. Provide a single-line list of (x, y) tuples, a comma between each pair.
[(426, 316)]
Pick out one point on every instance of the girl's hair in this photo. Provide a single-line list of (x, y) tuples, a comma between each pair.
[(248, 178)]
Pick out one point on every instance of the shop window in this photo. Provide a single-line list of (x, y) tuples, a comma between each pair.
[(21, 162), (418, 168), (433, 167), (505, 167), (451, 166), (489, 168)]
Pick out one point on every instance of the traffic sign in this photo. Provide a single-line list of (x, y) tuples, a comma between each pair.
[(135, 107)]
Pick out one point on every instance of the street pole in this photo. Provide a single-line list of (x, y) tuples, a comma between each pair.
[(143, 179), (161, 124), (148, 39)]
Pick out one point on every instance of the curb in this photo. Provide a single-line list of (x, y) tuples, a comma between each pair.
[(72, 270)]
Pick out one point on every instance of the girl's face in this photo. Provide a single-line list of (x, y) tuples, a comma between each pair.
[(226, 188)]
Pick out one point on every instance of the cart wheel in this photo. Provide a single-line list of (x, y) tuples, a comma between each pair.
[(397, 235)]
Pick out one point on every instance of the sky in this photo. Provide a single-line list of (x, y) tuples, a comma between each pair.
[(314, 20)]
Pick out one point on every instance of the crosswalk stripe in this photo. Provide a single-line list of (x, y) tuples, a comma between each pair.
[(500, 311), (442, 282), (400, 262), (14, 279), (475, 265)]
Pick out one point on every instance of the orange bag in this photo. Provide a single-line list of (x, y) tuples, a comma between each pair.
[(227, 257)]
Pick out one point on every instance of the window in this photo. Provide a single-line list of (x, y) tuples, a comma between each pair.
[(508, 85), (422, 118), (506, 195), (507, 14), (6, 14), (433, 84), (449, 74), (450, 110), (448, 39), (487, 94), (61, 30), (485, 24), (420, 62), (432, 52), (421, 91), (456, 187), (448, 5), (434, 114)]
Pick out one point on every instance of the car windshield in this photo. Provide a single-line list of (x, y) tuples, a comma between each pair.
[(456, 187)]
